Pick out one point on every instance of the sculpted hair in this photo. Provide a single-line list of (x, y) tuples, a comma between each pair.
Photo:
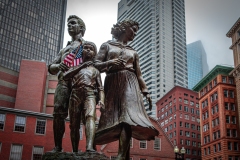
[(80, 22), (92, 44), (119, 28)]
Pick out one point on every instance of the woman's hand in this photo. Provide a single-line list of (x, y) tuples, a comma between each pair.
[(116, 62), (63, 67)]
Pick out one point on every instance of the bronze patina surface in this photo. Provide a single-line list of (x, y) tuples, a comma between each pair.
[(124, 115), (76, 29), (82, 104)]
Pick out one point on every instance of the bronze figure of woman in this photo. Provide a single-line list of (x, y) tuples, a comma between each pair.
[(124, 115)]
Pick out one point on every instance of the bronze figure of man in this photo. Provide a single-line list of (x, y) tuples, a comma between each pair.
[(82, 104), (76, 29)]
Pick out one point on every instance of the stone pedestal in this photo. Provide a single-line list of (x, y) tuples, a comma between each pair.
[(72, 156)]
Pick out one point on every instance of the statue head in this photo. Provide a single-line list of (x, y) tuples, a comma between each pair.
[(122, 28), (89, 51), (75, 25)]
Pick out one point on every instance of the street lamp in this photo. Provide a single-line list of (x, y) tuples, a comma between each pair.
[(179, 156)]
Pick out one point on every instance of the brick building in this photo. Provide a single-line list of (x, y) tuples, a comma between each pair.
[(178, 114), (26, 106), (234, 33), (218, 114)]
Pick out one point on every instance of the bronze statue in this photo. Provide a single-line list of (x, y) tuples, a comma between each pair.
[(124, 115), (82, 104), (76, 29)]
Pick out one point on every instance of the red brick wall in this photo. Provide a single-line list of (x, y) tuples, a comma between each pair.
[(176, 93), (224, 153), (29, 138), (31, 86)]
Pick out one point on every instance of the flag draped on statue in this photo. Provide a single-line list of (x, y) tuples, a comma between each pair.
[(75, 57)]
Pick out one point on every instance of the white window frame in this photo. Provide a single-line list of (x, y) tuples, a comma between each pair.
[(12, 147), (45, 126), (159, 144), (24, 124), (131, 143), (143, 141), (4, 120), (39, 147)]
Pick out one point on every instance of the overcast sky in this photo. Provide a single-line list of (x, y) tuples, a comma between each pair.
[(206, 20)]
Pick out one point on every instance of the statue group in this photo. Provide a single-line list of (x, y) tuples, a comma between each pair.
[(79, 90)]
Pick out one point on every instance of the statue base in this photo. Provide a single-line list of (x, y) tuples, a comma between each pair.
[(74, 156)]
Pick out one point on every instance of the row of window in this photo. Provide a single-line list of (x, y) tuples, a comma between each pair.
[(187, 134), (213, 83), (16, 152), (217, 147), (143, 144), (20, 124)]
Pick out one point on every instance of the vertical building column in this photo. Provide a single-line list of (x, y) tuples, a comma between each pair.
[(236, 74)]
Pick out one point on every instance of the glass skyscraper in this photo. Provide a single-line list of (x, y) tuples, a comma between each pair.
[(160, 42), (30, 29), (197, 63)]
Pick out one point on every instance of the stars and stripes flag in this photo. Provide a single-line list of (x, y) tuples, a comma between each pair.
[(75, 57)]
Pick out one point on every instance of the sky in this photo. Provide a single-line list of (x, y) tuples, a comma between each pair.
[(206, 20)]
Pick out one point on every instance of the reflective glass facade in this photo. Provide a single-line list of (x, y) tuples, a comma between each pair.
[(30, 29), (197, 63), (160, 42)]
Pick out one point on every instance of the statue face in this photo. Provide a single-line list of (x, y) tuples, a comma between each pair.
[(73, 27), (131, 32), (88, 52)]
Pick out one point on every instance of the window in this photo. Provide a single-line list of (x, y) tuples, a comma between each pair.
[(157, 143), (187, 133), (2, 121), (131, 143), (234, 133), (231, 94), (230, 80), (37, 153), (113, 157), (209, 150), (41, 124), (224, 79), (193, 135), (229, 132), (227, 119), (143, 144), (187, 125), (16, 152), (186, 116), (181, 132), (235, 144), (188, 142), (188, 151), (229, 145), (185, 108), (234, 120), (225, 93), (20, 124), (219, 146)]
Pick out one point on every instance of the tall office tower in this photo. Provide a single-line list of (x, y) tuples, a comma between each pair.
[(160, 42), (30, 30), (197, 63)]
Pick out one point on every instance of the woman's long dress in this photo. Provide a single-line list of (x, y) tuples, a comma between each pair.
[(123, 99)]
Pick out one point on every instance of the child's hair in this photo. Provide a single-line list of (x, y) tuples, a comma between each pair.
[(92, 44)]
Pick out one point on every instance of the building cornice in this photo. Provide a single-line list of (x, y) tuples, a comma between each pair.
[(235, 72), (234, 27), (218, 69), (25, 112)]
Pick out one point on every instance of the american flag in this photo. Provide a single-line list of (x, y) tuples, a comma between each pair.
[(75, 57)]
